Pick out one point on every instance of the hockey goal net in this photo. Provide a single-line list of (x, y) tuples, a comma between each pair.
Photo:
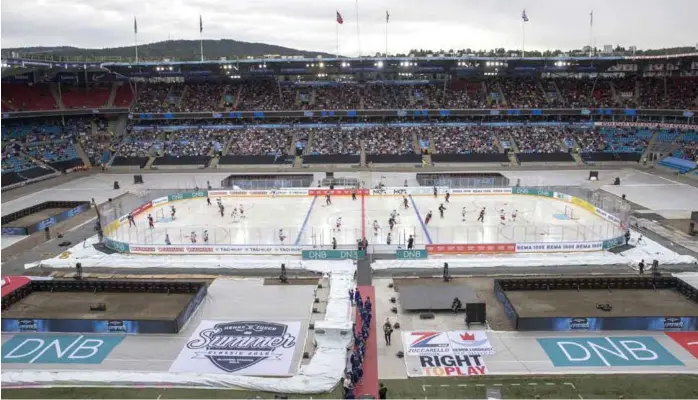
[(571, 213), (159, 214)]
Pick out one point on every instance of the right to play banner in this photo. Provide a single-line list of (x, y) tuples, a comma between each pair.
[(446, 354)]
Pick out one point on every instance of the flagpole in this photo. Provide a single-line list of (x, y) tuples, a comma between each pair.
[(523, 38), (337, 38), (358, 34), (386, 35), (591, 33), (135, 35), (201, 37)]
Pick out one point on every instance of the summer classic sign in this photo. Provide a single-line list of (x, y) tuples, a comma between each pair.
[(240, 348)]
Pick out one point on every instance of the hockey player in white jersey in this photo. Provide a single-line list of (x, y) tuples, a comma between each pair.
[(463, 213), (376, 227), (338, 225)]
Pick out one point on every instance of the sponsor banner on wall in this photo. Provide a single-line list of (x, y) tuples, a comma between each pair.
[(140, 209), (481, 191), (584, 204), (291, 192), (648, 125), (158, 201), (240, 348), (495, 248), (469, 343), (608, 217), (338, 192), (562, 196), (557, 247), (213, 249)]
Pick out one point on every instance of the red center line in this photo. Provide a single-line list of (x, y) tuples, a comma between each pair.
[(363, 214)]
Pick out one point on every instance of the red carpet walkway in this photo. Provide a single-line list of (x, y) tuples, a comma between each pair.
[(369, 382)]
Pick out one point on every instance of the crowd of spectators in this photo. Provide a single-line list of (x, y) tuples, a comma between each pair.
[(538, 139), (202, 97), (388, 139), (256, 141), (99, 144), (589, 141), (688, 146), (138, 143), (13, 160), (336, 140), (151, 97), (261, 96), (463, 139), (625, 92), (192, 142), (342, 97), (523, 93)]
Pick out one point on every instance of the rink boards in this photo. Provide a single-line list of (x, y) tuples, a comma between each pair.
[(514, 246)]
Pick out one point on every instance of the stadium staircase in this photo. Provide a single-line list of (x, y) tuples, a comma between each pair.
[(112, 95), (502, 97), (238, 95), (557, 91), (513, 159), (432, 145), (53, 87), (313, 96), (309, 145), (650, 145), (83, 156), (415, 143), (614, 94), (182, 95), (362, 156)]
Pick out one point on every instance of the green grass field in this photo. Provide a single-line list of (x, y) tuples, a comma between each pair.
[(530, 387)]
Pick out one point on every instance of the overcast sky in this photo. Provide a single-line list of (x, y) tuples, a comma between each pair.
[(310, 24)]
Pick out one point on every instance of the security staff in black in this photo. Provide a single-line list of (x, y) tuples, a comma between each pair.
[(410, 243)]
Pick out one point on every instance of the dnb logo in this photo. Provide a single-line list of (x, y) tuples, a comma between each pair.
[(234, 346)]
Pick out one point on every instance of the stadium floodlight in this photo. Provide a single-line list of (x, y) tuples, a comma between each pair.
[(379, 64), (322, 65)]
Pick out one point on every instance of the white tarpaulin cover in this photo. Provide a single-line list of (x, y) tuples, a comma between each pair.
[(321, 374)]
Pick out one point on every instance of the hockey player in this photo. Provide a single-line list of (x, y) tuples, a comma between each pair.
[(463, 213), (221, 208), (502, 216), (404, 202), (436, 192), (339, 223), (208, 200), (192, 236), (242, 211), (151, 223), (391, 223), (206, 237), (388, 239), (353, 194), (481, 218), (234, 213), (167, 239), (172, 212), (441, 210), (514, 214), (410, 243), (131, 221), (393, 215), (448, 196), (282, 237), (376, 227), (428, 218), (328, 199)]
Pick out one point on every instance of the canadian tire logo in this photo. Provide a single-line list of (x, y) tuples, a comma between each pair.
[(234, 346)]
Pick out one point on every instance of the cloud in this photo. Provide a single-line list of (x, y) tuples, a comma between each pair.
[(310, 25)]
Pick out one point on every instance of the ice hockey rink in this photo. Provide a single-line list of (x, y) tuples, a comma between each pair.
[(309, 221)]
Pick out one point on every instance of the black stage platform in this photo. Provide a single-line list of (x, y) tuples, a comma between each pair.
[(435, 297)]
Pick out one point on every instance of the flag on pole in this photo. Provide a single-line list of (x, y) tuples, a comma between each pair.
[(340, 20), (387, 16), (201, 24), (524, 17), (591, 18), (135, 25)]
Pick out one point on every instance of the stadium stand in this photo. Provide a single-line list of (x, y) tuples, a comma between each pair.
[(22, 97)]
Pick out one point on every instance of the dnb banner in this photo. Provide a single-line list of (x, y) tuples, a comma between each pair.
[(240, 348), (454, 353)]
